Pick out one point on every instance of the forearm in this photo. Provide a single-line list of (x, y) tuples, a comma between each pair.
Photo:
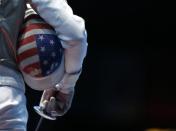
[(74, 56)]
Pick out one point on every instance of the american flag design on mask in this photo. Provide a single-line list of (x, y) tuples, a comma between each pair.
[(39, 49)]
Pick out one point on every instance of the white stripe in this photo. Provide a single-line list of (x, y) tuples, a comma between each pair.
[(33, 21), (36, 31), (28, 61), (28, 46), (29, 12)]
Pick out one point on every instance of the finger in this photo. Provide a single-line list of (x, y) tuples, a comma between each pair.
[(64, 99), (51, 105), (44, 104), (61, 96), (63, 102), (52, 99), (48, 93)]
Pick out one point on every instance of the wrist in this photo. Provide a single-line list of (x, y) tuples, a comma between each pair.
[(74, 72), (68, 81)]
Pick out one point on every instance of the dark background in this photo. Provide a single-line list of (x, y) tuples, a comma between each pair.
[(128, 80)]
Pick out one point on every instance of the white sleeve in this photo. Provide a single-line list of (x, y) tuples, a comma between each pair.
[(70, 29)]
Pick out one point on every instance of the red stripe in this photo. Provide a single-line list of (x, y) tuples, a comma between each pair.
[(32, 16), (39, 75), (28, 69), (27, 54), (27, 40), (35, 26), (31, 67)]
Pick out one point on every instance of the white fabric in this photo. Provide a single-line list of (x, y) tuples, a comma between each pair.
[(35, 31), (13, 112)]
